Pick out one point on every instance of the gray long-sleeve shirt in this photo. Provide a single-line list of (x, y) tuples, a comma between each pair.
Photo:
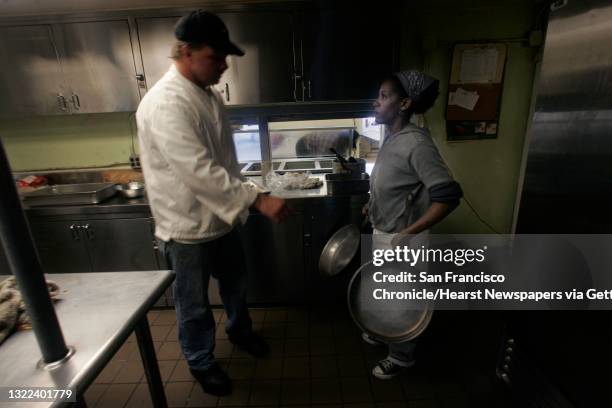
[(407, 166)]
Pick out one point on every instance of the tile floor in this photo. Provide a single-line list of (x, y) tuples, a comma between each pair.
[(317, 359)]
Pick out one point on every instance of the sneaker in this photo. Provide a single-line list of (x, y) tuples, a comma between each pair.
[(371, 340), (213, 380), (253, 344), (387, 369)]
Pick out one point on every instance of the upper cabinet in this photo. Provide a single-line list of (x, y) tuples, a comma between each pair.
[(31, 80), (67, 68), (156, 36), (308, 55), (345, 52), (98, 63), (264, 74), (321, 52)]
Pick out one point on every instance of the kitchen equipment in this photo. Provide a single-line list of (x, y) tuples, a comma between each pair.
[(566, 190), (133, 189), (313, 165), (347, 183), (299, 165), (391, 321), (339, 250), (339, 159), (350, 166), (71, 194)]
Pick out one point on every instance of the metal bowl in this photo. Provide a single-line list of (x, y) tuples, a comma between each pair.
[(340, 250), (133, 189)]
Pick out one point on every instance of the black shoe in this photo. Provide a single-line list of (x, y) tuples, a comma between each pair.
[(387, 369), (214, 381), (253, 344)]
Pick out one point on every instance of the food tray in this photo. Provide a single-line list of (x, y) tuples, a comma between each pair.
[(71, 194)]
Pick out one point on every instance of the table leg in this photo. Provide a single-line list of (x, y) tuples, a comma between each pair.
[(149, 361)]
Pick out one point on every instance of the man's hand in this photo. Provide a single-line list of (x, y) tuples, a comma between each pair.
[(272, 207)]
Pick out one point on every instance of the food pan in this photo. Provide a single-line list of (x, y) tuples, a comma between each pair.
[(70, 194)]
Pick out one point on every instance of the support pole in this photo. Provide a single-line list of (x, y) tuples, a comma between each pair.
[(25, 265)]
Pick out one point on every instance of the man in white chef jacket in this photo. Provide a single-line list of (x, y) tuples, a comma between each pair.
[(197, 194)]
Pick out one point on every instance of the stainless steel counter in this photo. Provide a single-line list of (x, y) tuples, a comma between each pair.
[(114, 205), (97, 313), (123, 207)]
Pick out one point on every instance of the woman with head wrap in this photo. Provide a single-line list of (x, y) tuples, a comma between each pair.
[(411, 188)]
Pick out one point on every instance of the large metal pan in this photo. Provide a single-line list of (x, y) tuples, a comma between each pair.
[(390, 321), (340, 250), (71, 194)]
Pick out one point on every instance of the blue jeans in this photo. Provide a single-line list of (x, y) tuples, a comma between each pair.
[(400, 353), (194, 264)]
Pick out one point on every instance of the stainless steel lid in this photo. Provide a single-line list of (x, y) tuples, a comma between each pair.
[(391, 321)]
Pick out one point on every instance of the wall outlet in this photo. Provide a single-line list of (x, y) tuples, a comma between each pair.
[(135, 161)]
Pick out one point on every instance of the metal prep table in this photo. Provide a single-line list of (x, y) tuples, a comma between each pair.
[(97, 313)]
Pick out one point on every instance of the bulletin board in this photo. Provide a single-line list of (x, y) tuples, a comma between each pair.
[(474, 91)]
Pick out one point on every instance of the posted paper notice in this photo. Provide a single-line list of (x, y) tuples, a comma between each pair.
[(463, 98), (479, 65)]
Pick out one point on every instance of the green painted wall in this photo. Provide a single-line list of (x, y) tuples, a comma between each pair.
[(488, 170), (68, 141)]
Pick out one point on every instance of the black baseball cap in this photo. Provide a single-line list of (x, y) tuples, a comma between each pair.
[(203, 27)]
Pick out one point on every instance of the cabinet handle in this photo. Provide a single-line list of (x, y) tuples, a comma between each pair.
[(61, 101), (89, 232), (76, 102), (227, 95), (140, 79), (74, 231), (296, 78), (309, 93)]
